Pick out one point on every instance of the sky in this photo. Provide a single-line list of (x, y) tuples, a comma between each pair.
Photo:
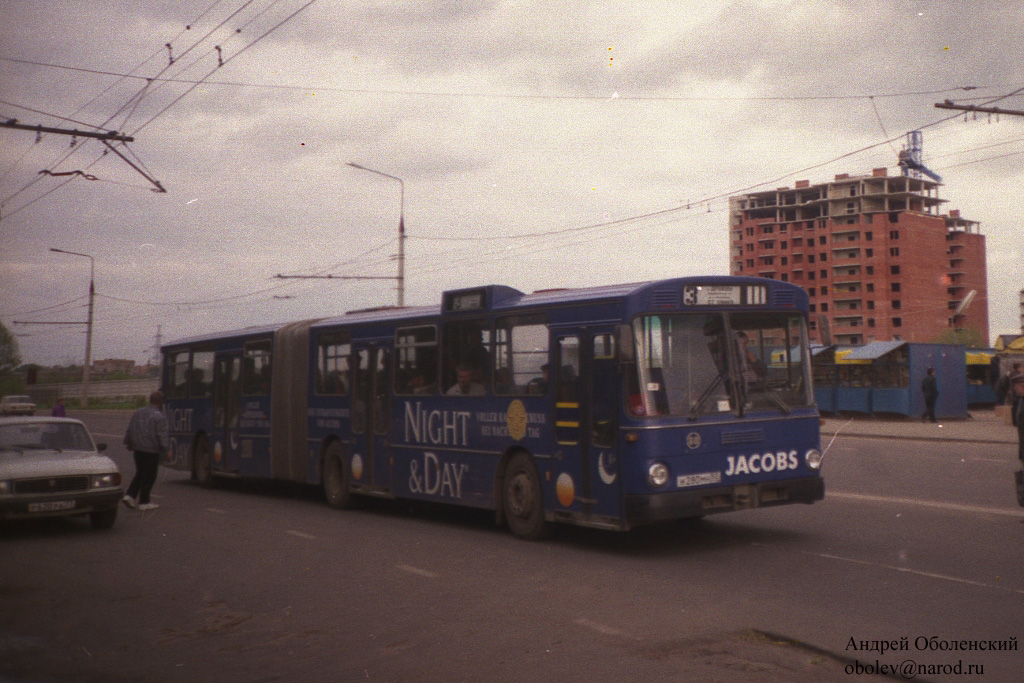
[(539, 145)]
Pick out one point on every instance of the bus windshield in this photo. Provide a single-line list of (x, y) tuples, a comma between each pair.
[(690, 365)]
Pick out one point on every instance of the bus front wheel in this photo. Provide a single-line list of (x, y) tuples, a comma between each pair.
[(336, 488), (523, 499)]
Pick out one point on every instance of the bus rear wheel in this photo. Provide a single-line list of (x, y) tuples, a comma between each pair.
[(335, 480), (523, 500), (202, 466)]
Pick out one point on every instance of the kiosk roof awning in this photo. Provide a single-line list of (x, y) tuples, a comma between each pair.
[(873, 350)]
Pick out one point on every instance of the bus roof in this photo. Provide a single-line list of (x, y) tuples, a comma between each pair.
[(500, 298)]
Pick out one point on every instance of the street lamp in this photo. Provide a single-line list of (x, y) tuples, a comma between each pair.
[(88, 329), (401, 229)]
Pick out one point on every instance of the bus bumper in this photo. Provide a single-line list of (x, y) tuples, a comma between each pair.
[(659, 507)]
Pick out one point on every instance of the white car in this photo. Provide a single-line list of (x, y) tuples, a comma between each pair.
[(17, 405), (50, 466)]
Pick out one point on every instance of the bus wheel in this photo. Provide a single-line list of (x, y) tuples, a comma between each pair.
[(202, 466), (336, 487), (523, 500)]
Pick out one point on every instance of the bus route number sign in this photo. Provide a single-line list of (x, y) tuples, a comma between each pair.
[(713, 295)]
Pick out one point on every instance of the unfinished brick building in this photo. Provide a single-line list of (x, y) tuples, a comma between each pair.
[(877, 257)]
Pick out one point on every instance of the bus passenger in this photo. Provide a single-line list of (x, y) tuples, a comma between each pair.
[(539, 385), (465, 386)]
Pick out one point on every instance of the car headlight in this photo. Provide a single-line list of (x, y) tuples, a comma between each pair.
[(657, 474), (104, 481), (813, 459)]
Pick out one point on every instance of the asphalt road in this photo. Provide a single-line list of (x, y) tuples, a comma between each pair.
[(257, 582)]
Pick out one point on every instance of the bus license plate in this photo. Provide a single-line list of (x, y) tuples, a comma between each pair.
[(52, 506)]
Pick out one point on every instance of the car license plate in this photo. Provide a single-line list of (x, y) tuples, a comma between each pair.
[(51, 506)]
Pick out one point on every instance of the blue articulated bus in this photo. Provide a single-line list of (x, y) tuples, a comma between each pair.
[(607, 407)]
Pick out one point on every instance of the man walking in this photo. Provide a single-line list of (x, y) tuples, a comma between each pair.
[(147, 436), (930, 389)]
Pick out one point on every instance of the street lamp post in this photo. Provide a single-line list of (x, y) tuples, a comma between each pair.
[(88, 329), (401, 229)]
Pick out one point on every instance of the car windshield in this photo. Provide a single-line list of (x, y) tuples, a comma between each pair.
[(44, 435), (17, 399), (701, 364)]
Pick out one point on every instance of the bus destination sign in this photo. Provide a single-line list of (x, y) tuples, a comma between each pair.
[(724, 295)]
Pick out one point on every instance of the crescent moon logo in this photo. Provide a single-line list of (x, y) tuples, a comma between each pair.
[(602, 469)]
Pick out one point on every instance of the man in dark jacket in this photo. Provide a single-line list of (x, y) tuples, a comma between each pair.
[(148, 437), (930, 389)]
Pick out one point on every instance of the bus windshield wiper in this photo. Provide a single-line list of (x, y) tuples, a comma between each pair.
[(695, 410)]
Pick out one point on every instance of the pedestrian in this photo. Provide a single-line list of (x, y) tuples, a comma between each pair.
[(58, 409), (930, 389), (1012, 398), (1017, 389), (147, 436)]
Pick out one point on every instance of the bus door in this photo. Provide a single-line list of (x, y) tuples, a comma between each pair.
[(227, 395), (586, 405), (371, 418)]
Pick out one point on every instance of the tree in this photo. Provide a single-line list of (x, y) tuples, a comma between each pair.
[(10, 358), (965, 336)]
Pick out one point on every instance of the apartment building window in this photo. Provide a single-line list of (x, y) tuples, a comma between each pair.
[(871, 286), (785, 277), (894, 270), (812, 308), (783, 244), (824, 274), (894, 234), (871, 322), (810, 291), (894, 217), (750, 232), (767, 229), (851, 207), (869, 218), (895, 287), (821, 239), (868, 253), (824, 291), (750, 247), (897, 322), (810, 258), (824, 307), (785, 261), (750, 262), (870, 270), (894, 251), (871, 304), (810, 275), (896, 303), (868, 235), (823, 257)]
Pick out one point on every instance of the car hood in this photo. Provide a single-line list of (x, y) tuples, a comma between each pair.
[(45, 463)]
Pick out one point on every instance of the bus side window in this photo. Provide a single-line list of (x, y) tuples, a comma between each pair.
[(416, 361), (332, 364), (568, 380), (466, 344)]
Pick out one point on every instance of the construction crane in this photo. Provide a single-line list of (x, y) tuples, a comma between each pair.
[(910, 158)]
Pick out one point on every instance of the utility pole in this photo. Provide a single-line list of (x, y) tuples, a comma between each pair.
[(948, 104), (105, 138)]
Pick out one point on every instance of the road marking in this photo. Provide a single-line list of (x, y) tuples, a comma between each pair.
[(926, 503), (417, 571), (907, 570), (308, 537)]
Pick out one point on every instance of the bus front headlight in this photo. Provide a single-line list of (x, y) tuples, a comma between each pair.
[(813, 459), (657, 475)]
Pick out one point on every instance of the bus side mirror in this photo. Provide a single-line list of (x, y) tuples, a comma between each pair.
[(624, 343)]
